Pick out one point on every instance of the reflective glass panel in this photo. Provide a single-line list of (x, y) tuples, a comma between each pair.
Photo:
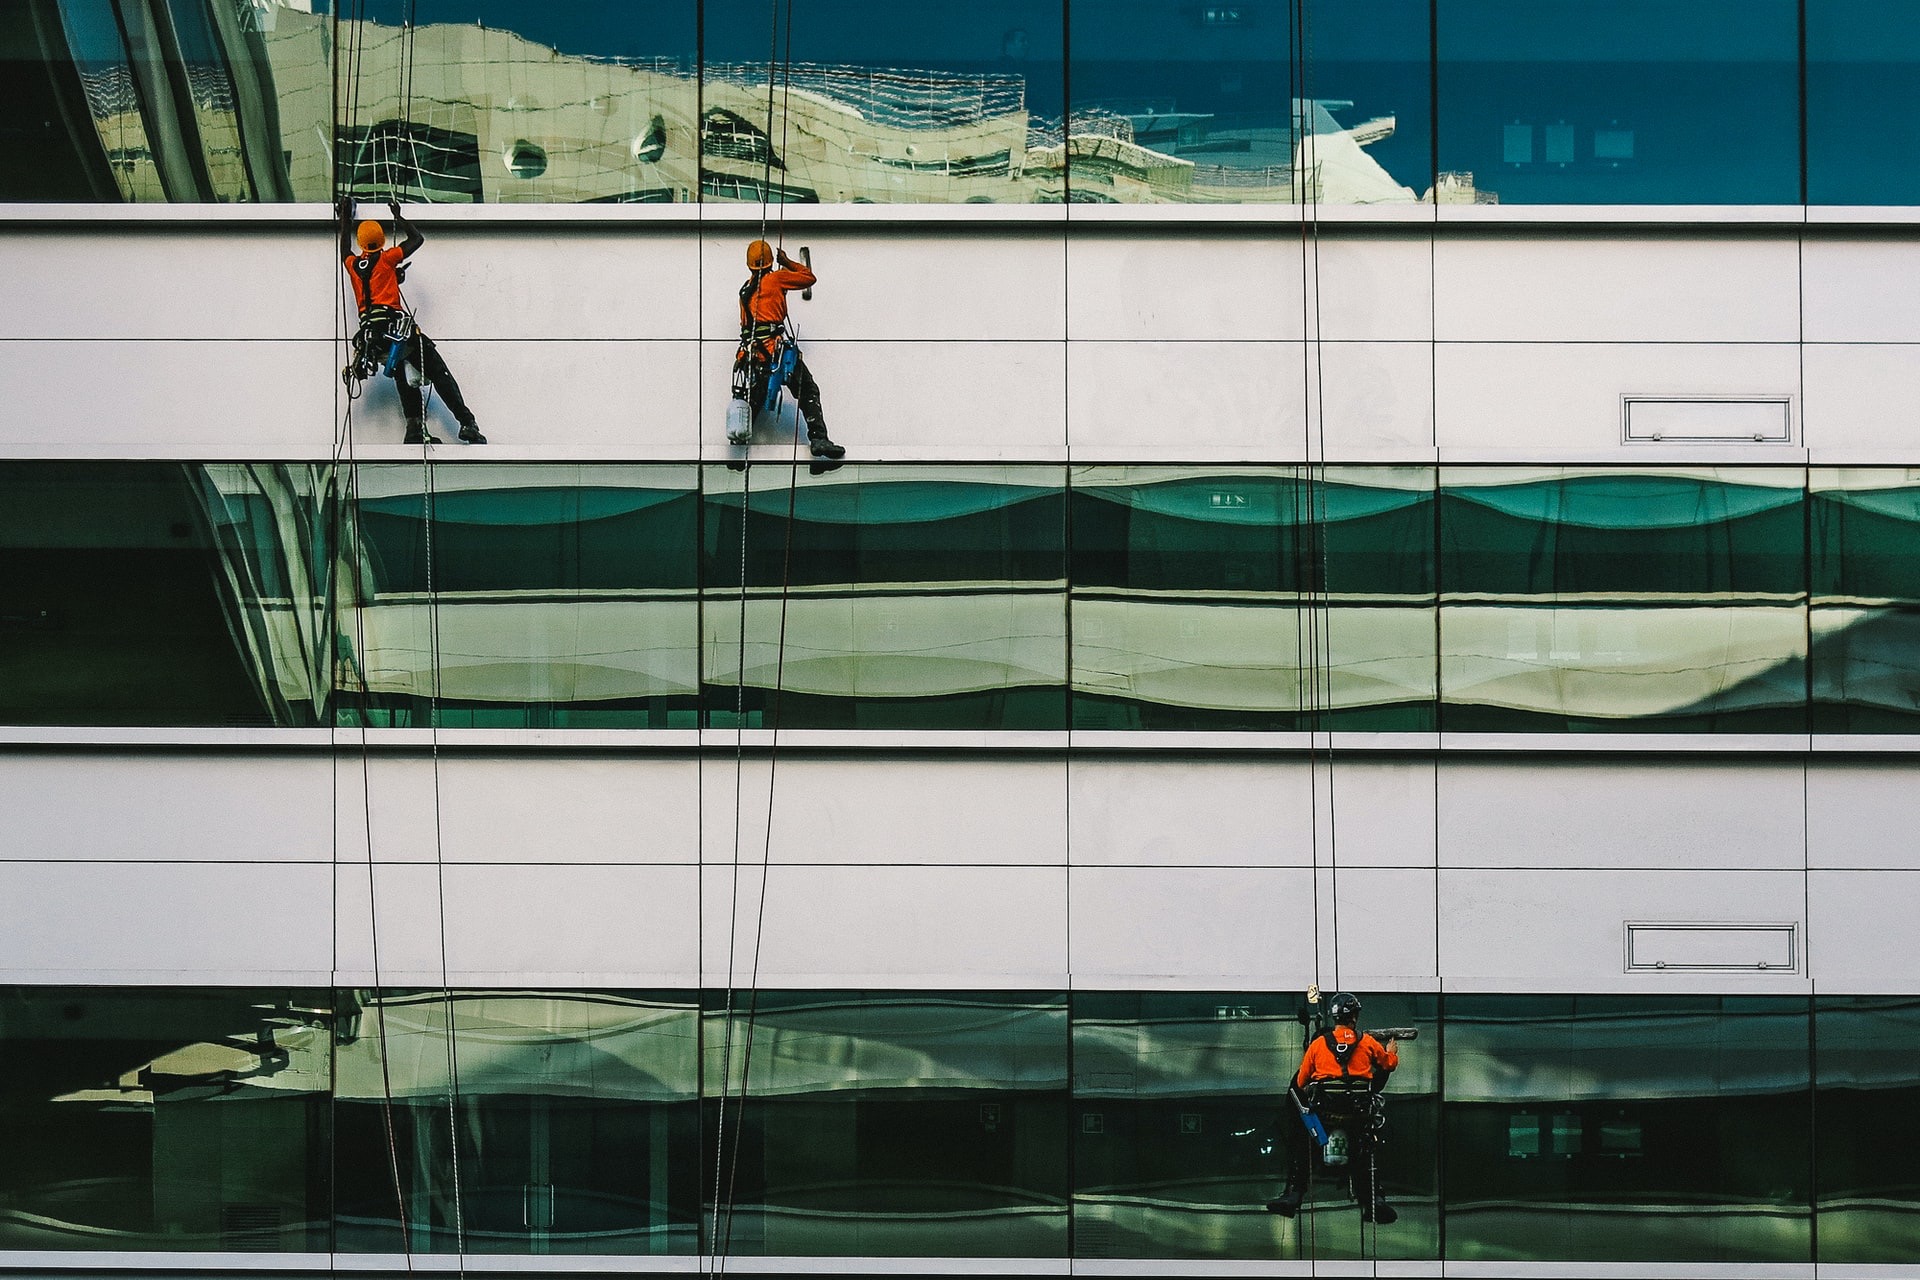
[(164, 1119), (511, 101), (1180, 1126), (1866, 599), (1863, 64), (1621, 101), (890, 1124), (1627, 1128), (162, 594), (883, 103), (1866, 1124), (926, 597), (1197, 598), (1593, 600), (1248, 103), (561, 596), (571, 1125)]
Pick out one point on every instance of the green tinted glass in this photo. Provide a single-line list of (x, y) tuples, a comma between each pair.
[(1181, 1131), (165, 1119), (1596, 600), (548, 1123), (890, 1124), (1253, 598), (1866, 1121), (162, 594), (1621, 1128), (886, 597), (560, 596), (1865, 524)]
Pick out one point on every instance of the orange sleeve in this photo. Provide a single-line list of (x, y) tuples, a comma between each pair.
[(1304, 1074), (1384, 1056), (797, 276)]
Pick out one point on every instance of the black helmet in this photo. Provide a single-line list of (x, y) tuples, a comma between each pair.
[(1344, 1007)]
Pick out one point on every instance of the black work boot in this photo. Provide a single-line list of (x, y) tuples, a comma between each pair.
[(417, 433), (821, 447), (470, 434), (1287, 1205)]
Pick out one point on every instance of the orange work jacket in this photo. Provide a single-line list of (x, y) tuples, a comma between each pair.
[(376, 279), (763, 303), (1367, 1056)]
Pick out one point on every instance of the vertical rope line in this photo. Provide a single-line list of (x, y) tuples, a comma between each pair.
[(344, 442), (733, 899)]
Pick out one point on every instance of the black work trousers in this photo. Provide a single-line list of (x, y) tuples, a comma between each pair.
[(426, 355), (806, 391)]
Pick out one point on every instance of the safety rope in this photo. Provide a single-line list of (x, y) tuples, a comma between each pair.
[(345, 444), (727, 1161)]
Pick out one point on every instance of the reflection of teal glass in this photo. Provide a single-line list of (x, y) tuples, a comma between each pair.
[(1633, 103), (1863, 102)]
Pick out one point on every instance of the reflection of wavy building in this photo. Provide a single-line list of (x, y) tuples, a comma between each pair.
[(1273, 561)]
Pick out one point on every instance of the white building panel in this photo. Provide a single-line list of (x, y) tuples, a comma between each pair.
[(1186, 927), (1862, 930), (980, 286), (139, 806), (1860, 815), (520, 925), (1240, 288), (1526, 400), (1385, 929), (1528, 930), (1239, 401), (143, 399), (1179, 811), (185, 282), (929, 400), (1539, 812), (1862, 402), (165, 922), (920, 927), (564, 399), (515, 282), (1861, 289), (879, 811), (1618, 289)]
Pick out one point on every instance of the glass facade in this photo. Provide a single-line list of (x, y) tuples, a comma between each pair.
[(962, 596), (1006, 101), (970, 1124)]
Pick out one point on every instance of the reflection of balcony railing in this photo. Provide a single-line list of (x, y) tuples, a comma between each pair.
[(901, 97)]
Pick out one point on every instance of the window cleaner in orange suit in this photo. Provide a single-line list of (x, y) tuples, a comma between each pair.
[(388, 341), (768, 357), (1347, 1055)]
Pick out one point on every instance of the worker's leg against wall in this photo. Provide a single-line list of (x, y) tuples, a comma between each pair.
[(443, 381)]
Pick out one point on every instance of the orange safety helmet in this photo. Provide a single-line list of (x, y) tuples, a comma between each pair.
[(371, 237), (759, 255)]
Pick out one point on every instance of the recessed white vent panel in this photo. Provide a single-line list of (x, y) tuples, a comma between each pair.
[(1697, 419), (1694, 947)]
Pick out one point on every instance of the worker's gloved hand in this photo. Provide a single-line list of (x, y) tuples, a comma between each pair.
[(780, 256), (343, 208), (393, 207)]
